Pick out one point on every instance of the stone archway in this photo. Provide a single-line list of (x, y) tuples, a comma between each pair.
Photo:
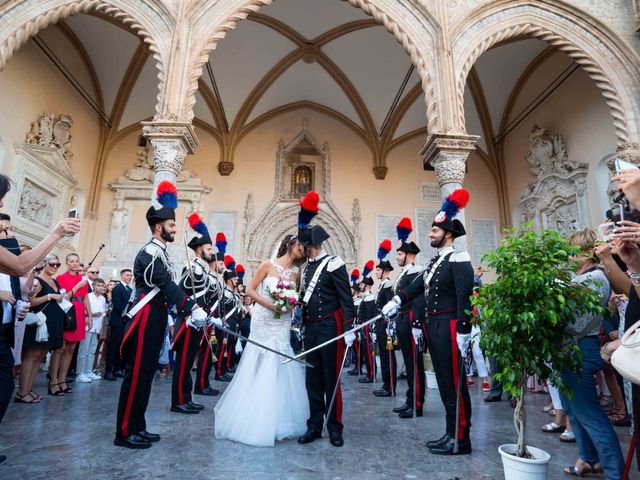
[(583, 38), (413, 27), (149, 19)]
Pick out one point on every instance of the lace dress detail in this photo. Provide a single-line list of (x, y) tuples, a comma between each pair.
[(275, 394)]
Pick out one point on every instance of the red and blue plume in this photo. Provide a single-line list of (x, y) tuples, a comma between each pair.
[(384, 248), (229, 262), (455, 202), (167, 194), (197, 225), (355, 275), (404, 229), (308, 209), (221, 242), (368, 267), (240, 272)]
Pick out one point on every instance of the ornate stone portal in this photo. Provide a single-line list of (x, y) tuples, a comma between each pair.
[(558, 197), (134, 189), (264, 232)]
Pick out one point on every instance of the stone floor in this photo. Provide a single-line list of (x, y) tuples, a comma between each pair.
[(71, 437)]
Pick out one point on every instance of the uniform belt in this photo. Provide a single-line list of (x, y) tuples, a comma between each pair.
[(320, 319), (441, 312), (77, 299)]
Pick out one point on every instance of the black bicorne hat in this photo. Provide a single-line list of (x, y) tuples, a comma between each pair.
[(312, 236), (385, 265), (229, 274), (367, 281), (408, 247), (449, 209), (167, 196)]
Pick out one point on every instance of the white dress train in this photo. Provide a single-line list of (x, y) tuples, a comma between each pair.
[(265, 401)]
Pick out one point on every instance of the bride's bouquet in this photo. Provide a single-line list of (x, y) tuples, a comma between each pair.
[(284, 296)]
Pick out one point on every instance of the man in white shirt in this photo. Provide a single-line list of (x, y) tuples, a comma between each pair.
[(86, 352)]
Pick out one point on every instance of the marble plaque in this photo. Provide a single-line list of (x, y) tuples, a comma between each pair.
[(430, 192), (386, 228), (422, 225), (225, 222), (484, 238)]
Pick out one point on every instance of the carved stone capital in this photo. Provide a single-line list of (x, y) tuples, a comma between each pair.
[(176, 131), (447, 154), (225, 168), (168, 155), (380, 172)]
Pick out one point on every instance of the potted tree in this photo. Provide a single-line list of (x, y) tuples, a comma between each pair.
[(524, 314)]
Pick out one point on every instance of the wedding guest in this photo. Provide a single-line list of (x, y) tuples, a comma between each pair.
[(76, 289), (119, 298), (86, 353), (46, 298), (598, 446)]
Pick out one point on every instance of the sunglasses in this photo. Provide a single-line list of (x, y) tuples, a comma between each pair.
[(54, 265), (92, 271)]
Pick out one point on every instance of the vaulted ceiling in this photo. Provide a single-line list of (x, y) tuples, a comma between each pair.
[(337, 61)]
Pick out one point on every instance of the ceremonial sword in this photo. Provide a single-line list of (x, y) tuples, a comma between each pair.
[(330, 341)]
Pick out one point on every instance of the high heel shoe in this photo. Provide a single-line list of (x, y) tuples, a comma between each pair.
[(68, 389), (57, 393)]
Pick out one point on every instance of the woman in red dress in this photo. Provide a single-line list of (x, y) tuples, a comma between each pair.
[(77, 289)]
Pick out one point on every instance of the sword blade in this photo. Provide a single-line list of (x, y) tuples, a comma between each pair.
[(334, 339), (253, 342)]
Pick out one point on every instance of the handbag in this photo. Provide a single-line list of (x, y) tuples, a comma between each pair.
[(626, 358), (70, 323)]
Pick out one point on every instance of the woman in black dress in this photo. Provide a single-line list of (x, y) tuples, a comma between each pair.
[(45, 299)]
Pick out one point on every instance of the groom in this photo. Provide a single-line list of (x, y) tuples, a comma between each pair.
[(327, 311)]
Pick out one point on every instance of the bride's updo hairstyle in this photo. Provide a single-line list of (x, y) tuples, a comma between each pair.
[(287, 244)]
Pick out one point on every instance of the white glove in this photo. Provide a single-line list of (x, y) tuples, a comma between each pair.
[(463, 339), (238, 347), (417, 335), (349, 338), (198, 317), (374, 337), (390, 309), (215, 321)]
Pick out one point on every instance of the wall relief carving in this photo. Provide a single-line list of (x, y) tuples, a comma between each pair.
[(558, 198), (52, 131)]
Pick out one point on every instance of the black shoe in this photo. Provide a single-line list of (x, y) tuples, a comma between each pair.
[(232, 370), (223, 379), (186, 408), (446, 448), (409, 413), (402, 376), (149, 437), (382, 393), (197, 406), (3, 459), (118, 374), (228, 376), (335, 438), (353, 372), (402, 408), (109, 376), (309, 436), (490, 399), (365, 380), (435, 443), (207, 391), (132, 441)]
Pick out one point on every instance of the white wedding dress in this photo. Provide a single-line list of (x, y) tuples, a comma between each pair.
[(265, 401)]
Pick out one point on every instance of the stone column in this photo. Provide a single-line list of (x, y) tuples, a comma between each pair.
[(447, 154), (170, 144)]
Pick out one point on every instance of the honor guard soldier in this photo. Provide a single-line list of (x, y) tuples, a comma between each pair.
[(208, 347), (231, 310), (327, 312), (357, 298), (410, 318), (155, 291), (447, 285), (385, 342), (367, 310), (195, 282)]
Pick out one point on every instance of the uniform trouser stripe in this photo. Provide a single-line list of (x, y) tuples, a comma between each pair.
[(455, 363)]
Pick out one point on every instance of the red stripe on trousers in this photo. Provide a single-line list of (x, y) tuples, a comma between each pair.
[(185, 347), (229, 359), (136, 369), (177, 335), (206, 347), (221, 358), (416, 372), (339, 355), (455, 354)]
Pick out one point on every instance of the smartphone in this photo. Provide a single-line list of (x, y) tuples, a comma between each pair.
[(605, 231), (624, 165), (73, 213)]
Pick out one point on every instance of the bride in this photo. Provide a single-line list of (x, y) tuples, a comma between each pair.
[(266, 401)]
